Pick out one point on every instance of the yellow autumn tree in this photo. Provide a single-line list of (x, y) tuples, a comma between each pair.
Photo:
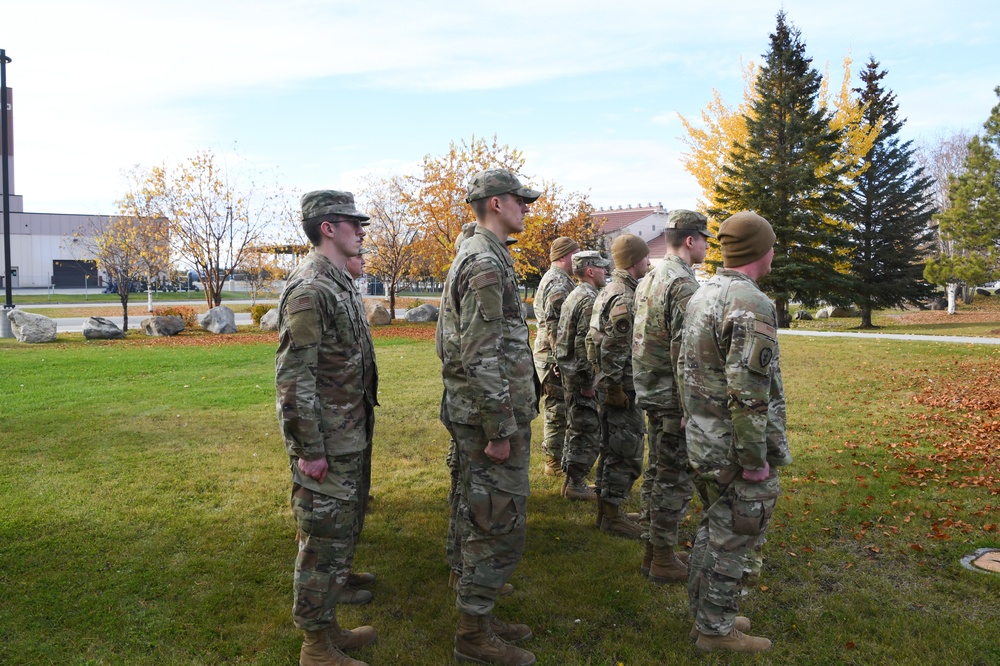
[(391, 232), (436, 198), (554, 214)]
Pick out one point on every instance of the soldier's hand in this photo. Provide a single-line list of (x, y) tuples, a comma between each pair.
[(588, 393), (498, 450), (555, 371), (314, 469), (616, 397), (756, 476)]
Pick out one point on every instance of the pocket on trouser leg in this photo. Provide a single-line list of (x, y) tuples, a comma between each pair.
[(752, 507), (493, 513)]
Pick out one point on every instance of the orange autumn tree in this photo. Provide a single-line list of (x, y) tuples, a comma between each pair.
[(436, 198), (551, 216)]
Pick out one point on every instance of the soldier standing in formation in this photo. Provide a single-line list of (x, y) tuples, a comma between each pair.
[(490, 398), (583, 420), (660, 305), (735, 406), (609, 346), (356, 269), (552, 291), (326, 385)]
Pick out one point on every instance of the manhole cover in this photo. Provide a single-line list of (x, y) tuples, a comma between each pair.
[(984, 559)]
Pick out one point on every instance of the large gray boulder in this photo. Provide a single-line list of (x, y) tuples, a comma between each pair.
[(939, 304), (529, 310), (803, 315), (219, 319), (422, 313), (377, 314), (162, 326), (823, 313), (844, 312), (31, 328), (99, 328), (269, 322)]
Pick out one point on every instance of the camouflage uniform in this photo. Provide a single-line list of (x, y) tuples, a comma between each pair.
[(326, 384), (555, 286), (583, 419), (609, 348), (490, 393), (735, 405), (661, 300), (366, 471)]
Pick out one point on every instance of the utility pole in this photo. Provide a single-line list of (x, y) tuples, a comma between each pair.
[(5, 330)]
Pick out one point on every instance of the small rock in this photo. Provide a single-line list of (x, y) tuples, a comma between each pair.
[(99, 328), (162, 326), (377, 314), (269, 322), (422, 313)]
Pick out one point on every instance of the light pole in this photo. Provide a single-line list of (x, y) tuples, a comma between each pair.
[(5, 330)]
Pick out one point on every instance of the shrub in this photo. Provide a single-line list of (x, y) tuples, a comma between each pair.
[(258, 311), (189, 316)]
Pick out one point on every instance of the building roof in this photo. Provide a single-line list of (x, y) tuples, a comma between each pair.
[(657, 247), (618, 218)]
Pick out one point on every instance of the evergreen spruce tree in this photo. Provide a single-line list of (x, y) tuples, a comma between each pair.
[(888, 209), (787, 171), (970, 228)]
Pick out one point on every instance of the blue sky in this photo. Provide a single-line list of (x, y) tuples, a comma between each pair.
[(319, 93)]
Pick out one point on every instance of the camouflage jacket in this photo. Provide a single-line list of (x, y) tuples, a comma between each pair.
[(482, 340), (660, 302), (730, 365), (609, 340), (325, 375), (552, 291), (571, 340)]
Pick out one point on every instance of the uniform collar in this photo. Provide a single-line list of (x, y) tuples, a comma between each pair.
[(339, 275), (735, 275), (492, 238), (621, 275)]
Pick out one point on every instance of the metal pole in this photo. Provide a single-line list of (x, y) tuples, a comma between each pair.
[(5, 330)]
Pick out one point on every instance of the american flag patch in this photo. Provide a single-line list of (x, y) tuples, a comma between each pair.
[(484, 280), (299, 304), (766, 329)]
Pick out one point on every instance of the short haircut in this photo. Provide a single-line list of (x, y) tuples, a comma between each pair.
[(581, 272), (479, 206), (312, 225), (675, 237)]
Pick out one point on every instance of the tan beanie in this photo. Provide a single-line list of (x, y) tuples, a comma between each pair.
[(628, 250), (561, 247), (745, 237)]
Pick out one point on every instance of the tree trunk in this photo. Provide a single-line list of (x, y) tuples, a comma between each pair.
[(781, 306), (952, 291), (968, 294), (124, 299), (866, 316), (392, 302)]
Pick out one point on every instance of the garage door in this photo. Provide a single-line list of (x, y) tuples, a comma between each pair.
[(70, 273)]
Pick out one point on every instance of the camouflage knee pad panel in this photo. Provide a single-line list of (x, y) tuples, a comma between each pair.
[(623, 434), (583, 434)]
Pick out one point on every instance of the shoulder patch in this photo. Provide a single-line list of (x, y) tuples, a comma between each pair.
[(300, 304), (484, 279), (766, 329)]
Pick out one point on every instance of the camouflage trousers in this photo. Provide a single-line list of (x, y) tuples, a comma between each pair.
[(327, 528), (622, 442), (553, 404), (492, 515), (734, 523), (583, 434), (672, 487), (453, 545)]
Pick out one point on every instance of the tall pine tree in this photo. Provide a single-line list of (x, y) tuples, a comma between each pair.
[(788, 172), (888, 209), (970, 228)]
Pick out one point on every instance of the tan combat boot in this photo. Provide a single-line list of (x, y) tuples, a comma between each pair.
[(552, 467), (512, 633), (647, 558), (666, 567), (578, 490), (317, 650), (735, 641), (344, 639), (616, 523), (362, 579), (742, 624), (454, 577), (475, 642)]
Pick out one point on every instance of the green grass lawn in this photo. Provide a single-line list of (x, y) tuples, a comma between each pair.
[(144, 517)]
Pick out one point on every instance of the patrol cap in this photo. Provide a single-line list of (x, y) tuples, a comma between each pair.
[(589, 258), (330, 202), (688, 219), (492, 182)]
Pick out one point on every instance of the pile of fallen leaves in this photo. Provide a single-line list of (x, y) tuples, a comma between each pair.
[(963, 425)]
